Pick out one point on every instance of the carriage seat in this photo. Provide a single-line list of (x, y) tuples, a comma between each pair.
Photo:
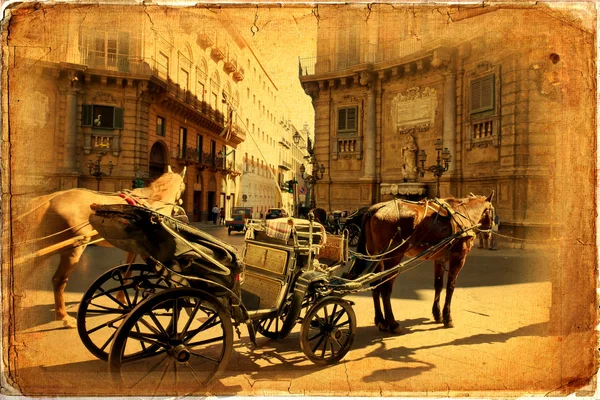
[(334, 251)]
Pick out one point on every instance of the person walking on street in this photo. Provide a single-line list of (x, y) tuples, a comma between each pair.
[(222, 215), (215, 214)]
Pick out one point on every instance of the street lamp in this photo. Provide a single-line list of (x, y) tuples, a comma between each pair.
[(296, 138), (442, 163), (95, 169), (311, 180)]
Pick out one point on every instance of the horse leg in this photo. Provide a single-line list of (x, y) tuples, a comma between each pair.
[(455, 265), (438, 284), (379, 320), (386, 295), (68, 261)]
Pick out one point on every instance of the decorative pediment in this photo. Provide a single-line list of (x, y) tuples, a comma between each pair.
[(103, 97)]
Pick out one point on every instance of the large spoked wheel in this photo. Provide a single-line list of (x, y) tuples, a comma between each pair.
[(108, 301), (353, 234), (173, 343), (328, 331)]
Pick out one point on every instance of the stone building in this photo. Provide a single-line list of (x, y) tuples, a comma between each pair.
[(140, 89), (501, 101)]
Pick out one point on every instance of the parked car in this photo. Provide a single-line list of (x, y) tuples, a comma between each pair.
[(237, 223), (273, 213)]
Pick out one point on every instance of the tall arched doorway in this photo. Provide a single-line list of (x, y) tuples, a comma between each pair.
[(158, 160)]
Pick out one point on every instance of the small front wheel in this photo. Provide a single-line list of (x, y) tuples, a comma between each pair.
[(328, 331)]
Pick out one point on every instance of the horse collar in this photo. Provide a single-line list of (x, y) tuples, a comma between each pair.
[(129, 199)]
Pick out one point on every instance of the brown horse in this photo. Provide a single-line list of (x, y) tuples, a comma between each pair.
[(60, 216), (401, 228)]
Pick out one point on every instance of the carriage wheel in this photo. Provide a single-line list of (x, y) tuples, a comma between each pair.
[(108, 301), (328, 331), (191, 347), (353, 234)]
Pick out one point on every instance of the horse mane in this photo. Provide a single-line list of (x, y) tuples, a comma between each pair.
[(160, 188)]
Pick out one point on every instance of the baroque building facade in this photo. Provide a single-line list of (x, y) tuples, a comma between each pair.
[(141, 90), (386, 88)]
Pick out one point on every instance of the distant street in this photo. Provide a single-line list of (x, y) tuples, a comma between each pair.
[(500, 309)]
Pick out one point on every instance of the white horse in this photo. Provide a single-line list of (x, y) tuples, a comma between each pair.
[(61, 222)]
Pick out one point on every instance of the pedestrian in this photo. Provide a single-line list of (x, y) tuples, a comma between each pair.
[(222, 215), (495, 227), (215, 214)]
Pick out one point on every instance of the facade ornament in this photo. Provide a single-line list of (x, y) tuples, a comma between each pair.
[(103, 97), (366, 78), (403, 189), (414, 110)]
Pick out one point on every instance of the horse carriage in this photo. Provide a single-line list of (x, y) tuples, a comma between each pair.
[(175, 313)]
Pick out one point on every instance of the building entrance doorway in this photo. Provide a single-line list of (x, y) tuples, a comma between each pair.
[(197, 217), (211, 204)]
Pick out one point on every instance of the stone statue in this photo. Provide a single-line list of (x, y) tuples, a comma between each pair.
[(409, 156)]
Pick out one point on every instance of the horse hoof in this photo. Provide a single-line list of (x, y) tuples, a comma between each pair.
[(448, 324), (397, 330), (382, 327), (69, 322)]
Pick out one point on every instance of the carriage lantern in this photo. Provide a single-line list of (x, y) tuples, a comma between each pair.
[(442, 163)]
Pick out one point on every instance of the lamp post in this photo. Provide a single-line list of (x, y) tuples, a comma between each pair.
[(96, 169), (442, 162), (311, 180)]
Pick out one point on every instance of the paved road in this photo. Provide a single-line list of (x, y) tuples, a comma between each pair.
[(500, 308)]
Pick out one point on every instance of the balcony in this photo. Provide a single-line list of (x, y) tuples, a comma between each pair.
[(230, 65), (285, 165), (347, 147), (285, 143), (189, 155), (338, 61), (204, 41), (238, 75), (217, 54)]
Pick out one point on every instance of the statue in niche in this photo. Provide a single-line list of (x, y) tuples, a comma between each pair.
[(408, 152)]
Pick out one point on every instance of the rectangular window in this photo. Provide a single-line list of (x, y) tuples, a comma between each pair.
[(213, 149), (182, 141), (482, 94), (102, 117), (184, 79), (347, 120), (199, 146), (163, 65), (160, 126)]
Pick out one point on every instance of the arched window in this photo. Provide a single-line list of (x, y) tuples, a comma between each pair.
[(201, 78), (215, 86)]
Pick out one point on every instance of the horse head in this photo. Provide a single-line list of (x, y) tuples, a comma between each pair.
[(486, 220), (168, 188)]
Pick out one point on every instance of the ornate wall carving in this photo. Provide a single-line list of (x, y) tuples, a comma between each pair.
[(414, 110)]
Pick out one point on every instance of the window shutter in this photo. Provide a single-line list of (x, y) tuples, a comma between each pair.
[(86, 115), (475, 95), (341, 119), (487, 93), (118, 118), (351, 119), (482, 94)]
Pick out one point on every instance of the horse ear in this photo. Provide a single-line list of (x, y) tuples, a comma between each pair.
[(182, 173), (169, 170), (491, 196), (471, 194)]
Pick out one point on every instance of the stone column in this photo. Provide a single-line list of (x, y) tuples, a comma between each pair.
[(71, 128), (449, 135), (370, 134)]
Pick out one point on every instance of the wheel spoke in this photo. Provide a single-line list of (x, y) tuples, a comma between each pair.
[(142, 356), (147, 325), (166, 358), (314, 349), (148, 338), (122, 284), (107, 310), (158, 324), (209, 323), (324, 347), (104, 325), (269, 325), (110, 338), (162, 378), (310, 339), (190, 319), (175, 316), (205, 341), (209, 359), (337, 318), (335, 306), (342, 324), (187, 364)]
